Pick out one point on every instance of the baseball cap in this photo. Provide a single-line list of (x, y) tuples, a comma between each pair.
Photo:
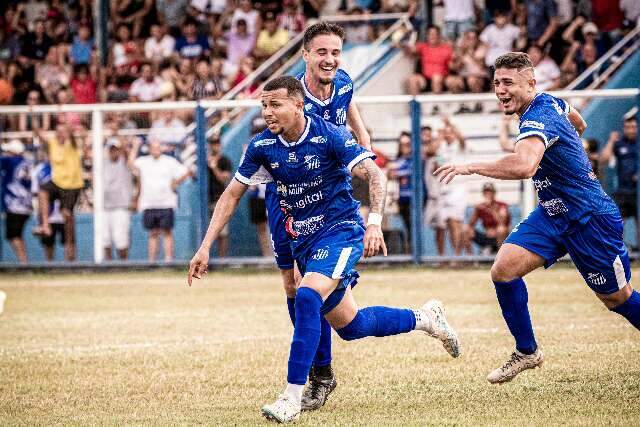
[(14, 146), (113, 143), (487, 186), (589, 28)]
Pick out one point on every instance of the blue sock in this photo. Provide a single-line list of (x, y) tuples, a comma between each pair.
[(630, 309), (306, 335), (291, 306), (513, 298), (323, 355), (378, 322)]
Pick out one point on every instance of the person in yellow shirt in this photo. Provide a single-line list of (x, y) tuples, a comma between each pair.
[(271, 38)]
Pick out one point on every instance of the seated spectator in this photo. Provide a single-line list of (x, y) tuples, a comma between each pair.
[(83, 86), (184, 77), (159, 45), (52, 75), (578, 59), (495, 219), (191, 44), (270, 39), (147, 87), (82, 46), (467, 67), (291, 18), (459, 17), (435, 56), (546, 71), (247, 66), (125, 53), (240, 42), (623, 149), (204, 85), (35, 45), (500, 37), (172, 13)]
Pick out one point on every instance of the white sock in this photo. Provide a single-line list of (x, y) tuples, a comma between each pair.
[(294, 391), (423, 321)]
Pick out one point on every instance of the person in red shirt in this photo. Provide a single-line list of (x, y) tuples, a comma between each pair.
[(83, 86), (435, 57), (495, 219)]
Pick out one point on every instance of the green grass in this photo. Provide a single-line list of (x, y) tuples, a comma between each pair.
[(143, 348)]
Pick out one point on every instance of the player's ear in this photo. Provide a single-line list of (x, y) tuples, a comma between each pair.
[(305, 55)]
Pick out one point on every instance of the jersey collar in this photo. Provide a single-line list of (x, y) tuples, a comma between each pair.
[(316, 100), (530, 104), (302, 137)]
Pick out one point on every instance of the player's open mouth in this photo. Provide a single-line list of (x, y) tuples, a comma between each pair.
[(505, 101), (327, 67)]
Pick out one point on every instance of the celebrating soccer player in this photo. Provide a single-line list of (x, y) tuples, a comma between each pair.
[(309, 160), (574, 215)]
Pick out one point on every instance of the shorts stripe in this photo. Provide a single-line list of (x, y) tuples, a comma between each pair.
[(342, 262), (618, 269)]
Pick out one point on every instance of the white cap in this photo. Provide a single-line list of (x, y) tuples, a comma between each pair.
[(113, 142), (589, 27), (14, 146)]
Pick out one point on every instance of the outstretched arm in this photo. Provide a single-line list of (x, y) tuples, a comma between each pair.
[(225, 208), (373, 238)]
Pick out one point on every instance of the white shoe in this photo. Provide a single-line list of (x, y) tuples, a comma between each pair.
[(437, 326), (283, 410), (517, 363), (3, 297)]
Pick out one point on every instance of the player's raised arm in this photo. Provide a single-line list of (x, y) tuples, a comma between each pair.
[(373, 238)]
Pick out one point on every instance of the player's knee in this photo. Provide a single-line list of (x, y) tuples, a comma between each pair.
[(308, 301), (615, 299), (500, 272)]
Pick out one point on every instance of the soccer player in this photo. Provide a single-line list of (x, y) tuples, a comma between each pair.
[(309, 159), (328, 91), (574, 215)]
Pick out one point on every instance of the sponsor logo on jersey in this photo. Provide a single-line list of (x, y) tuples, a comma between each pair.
[(308, 106), (345, 89), (264, 142), (554, 207), (318, 139), (350, 142), (312, 162), (299, 188), (309, 199), (321, 254), (559, 109), (597, 279), (326, 115), (282, 189), (553, 141), (341, 116), (292, 158), (541, 183), (275, 165), (532, 124)]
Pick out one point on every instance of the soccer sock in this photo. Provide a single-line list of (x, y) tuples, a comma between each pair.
[(378, 322), (630, 309), (291, 306), (513, 298), (306, 335), (323, 354), (294, 391)]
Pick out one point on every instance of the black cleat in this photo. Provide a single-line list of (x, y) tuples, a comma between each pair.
[(318, 390)]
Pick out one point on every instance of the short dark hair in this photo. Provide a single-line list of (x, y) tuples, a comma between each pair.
[(290, 83), (630, 119), (423, 128), (321, 28), (514, 61)]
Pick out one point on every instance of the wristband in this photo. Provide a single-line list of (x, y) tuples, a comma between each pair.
[(374, 219)]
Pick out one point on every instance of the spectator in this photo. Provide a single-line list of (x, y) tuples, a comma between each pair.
[(247, 66), (9, 45), (623, 149), (433, 212), (271, 38), (579, 57), (191, 44), (83, 86), (542, 21), (204, 85), (159, 175), (500, 37), (64, 153), (435, 56), (147, 87), (245, 12), (52, 75), (291, 18), (40, 177), (401, 171), (34, 121), (125, 53), (240, 42), (546, 71), (118, 192), (468, 68), (459, 17), (172, 13), (82, 46), (494, 7), (495, 219), (36, 45), (591, 147), (357, 32), (608, 17), (15, 176), (33, 10), (136, 13), (185, 77), (631, 10), (220, 169), (168, 129), (159, 45), (312, 8), (258, 216)]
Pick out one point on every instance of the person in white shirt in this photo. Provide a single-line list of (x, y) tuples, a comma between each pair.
[(147, 87), (159, 176), (118, 192), (546, 71), (160, 45), (459, 17), (168, 128), (499, 37)]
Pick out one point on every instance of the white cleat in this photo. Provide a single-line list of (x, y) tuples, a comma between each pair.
[(283, 410), (437, 326), (3, 298), (517, 363)]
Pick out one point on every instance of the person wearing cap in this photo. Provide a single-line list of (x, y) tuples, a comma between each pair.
[(118, 195), (220, 169), (494, 217), (16, 195)]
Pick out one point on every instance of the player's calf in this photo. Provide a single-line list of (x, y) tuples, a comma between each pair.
[(629, 307)]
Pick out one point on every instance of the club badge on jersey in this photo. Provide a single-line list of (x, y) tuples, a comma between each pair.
[(334, 109)]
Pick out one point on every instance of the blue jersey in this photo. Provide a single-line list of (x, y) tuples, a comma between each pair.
[(335, 108), (568, 190), (311, 176), (16, 185)]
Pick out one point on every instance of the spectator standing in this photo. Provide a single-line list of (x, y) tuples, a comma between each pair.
[(546, 71), (240, 42), (204, 85), (15, 176), (495, 219), (83, 86), (159, 45), (52, 75), (245, 12), (168, 129), (623, 149), (271, 38), (33, 121), (500, 37), (459, 17), (220, 169), (147, 87), (402, 170), (36, 45), (291, 18), (82, 46), (159, 175), (542, 20), (118, 193), (172, 14), (435, 56), (433, 212), (608, 17), (125, 53)]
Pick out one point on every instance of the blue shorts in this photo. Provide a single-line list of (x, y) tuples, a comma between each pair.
[(596, 248), (280, 240), (335, 255)]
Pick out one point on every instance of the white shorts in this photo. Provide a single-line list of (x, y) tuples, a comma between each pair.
[(116, 228), (454, 204), (433, 214)]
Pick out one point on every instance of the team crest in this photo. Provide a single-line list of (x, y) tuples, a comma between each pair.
[(597, 279), (341, 116), (292, 158)]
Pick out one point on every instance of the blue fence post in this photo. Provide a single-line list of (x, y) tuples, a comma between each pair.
[(416, 183), (203, 175)]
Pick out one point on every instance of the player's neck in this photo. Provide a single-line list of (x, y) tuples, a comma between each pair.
[(294, 134), (317, 89), (526, 105)]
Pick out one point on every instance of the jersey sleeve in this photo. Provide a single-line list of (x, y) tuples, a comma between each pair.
[(346, 149), (250, 163), (544, 121)]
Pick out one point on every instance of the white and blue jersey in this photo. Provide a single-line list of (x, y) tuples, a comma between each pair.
[(311, 176), (334, 110), (16, 185), (574, 214)]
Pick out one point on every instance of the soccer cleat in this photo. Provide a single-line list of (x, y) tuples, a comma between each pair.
[(283, 410), (517, 363), (318, 390), (437, 326), (3, 298)]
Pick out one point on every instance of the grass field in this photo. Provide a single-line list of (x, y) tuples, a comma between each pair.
[(143, 348)]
